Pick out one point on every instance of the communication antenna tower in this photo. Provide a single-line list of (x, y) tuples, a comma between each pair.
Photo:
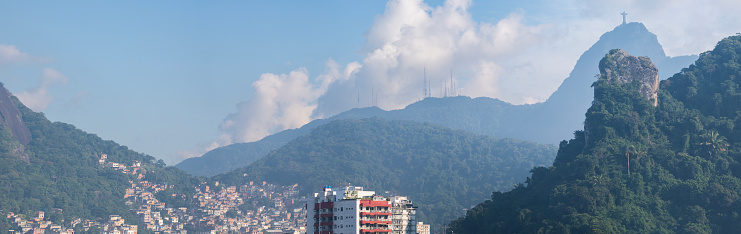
[(424, 89), (452, 85)]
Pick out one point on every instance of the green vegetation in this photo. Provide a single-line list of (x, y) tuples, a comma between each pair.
[(684, 158), (548, 122), (443, 171), (62, 172)]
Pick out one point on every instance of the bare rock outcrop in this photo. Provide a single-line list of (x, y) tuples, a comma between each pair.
[(11, 117), (619, 66)]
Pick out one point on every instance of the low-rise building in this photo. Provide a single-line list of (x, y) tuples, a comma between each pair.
[(423, 228)]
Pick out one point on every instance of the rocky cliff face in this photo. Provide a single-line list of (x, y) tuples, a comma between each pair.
[(11, 117), (619, 66), (563, 112)]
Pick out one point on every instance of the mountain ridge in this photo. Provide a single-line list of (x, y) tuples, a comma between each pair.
[(61, 171), (639, 168), (566, 106), (548, 122), (441, 169)]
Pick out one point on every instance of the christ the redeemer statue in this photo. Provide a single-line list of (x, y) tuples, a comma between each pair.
[(624, 14)]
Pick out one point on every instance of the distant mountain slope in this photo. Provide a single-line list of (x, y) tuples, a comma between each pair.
[(562, 114), (548, 122), (636, 168), (227, 158), (61, 170), (442, 170), (479, 115)]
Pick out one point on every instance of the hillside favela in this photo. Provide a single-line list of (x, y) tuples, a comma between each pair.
[(362, 117)]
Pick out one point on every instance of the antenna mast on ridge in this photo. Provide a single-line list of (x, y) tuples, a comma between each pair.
[(424, 89), (452, 85), (373, 94)]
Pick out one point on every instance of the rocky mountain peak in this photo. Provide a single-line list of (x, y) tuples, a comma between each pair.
[(619, 66)]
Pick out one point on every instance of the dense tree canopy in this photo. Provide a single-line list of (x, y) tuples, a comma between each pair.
[(62, 172), (443, 171), (638, 168)]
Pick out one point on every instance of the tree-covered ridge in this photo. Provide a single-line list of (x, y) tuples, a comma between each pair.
[(548, 122), (63, 172), (480, 115), (443, 171), (638, 168)]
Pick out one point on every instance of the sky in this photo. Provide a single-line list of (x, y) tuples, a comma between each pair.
[(174, 79)]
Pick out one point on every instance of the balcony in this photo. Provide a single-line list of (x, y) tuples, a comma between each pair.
[(369, 203), (375, 230), (374, 219), (375, 213), (375, 222)]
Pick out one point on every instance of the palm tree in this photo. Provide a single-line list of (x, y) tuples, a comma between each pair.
[(640, 152), (714, 142), (627, 154)]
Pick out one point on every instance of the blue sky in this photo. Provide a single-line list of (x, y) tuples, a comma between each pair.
[(160, 75), (174, 78)]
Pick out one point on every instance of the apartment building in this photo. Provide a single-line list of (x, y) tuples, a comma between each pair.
[(350, 210)]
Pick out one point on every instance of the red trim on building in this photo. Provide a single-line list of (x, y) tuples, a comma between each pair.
[(327, 232), (326, 223), (375, 213), (327, 205), (371, 203), (374, 222), (374, 230)]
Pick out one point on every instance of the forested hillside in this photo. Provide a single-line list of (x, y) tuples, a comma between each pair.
[(443, 171), (62, 176), (238, 155), (638, 168), (548, 122)]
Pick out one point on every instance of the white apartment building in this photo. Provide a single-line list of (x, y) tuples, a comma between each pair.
[(350, 210), (403, 216)]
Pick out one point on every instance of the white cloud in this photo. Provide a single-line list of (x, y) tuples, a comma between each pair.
[(521, 58), (407, 39), (38, 98), (484, 82), (222, 140), (10, 54), (411, 37), (280, 101)]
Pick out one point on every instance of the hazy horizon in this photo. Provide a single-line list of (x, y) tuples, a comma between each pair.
[(174, 79)]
